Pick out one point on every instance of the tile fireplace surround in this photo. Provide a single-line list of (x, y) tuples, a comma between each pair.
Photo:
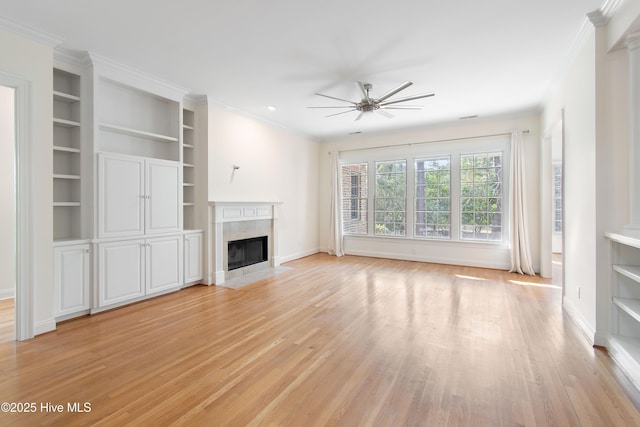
[(240, 220)]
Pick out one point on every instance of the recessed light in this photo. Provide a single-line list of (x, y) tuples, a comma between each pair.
[(271, 108)]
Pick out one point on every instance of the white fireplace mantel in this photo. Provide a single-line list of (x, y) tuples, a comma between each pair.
[(221, 212)]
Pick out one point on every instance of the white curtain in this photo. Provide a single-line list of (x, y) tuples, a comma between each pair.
[(335, 222), (520, 252)]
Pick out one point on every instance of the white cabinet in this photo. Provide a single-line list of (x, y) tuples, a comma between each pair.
[(72, 265), (193, 257), (137, 196), (121, 271), (131, 269), (164, 264)]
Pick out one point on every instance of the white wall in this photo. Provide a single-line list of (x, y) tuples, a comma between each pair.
[(490, 256), (7, 196), (576, 95), (594, 97), (33, 62), (275, 165)]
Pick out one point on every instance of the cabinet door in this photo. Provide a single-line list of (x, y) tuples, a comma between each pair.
[(192, 257), (164, 263), (120, 196), (72, 277), (121, 271), (164, 206)]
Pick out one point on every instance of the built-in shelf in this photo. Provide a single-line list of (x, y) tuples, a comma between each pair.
[(137, 133), (65, 97), (66, 149), (624, 333), (66, 204), (65, 123), (67, 144), (630, 271), (188, 168), (64, 176), (629, 305)]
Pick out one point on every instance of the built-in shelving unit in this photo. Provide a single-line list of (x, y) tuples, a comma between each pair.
[(624, 338), (136, 122), (188, 168), (67, 162)]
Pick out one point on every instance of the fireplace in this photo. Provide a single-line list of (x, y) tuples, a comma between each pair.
[(252, 223), (246, 252)]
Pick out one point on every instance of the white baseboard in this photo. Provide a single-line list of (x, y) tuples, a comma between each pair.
[(299, 255), (44, 326), (583, 325), (7, 293), (434, 260)]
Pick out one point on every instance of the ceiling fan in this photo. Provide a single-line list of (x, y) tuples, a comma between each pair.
[(379, 105)]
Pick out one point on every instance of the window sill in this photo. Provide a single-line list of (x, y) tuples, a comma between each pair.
[(467, 243)]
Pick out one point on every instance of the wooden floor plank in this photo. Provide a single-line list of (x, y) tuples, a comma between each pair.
[(348, 341)]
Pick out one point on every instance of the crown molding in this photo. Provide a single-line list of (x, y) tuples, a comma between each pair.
[(123, 73), (632, 41), (27, 32), (598, 19), (195, 100), (71, 57)]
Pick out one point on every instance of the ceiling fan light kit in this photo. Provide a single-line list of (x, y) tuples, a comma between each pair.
[(369, 104)]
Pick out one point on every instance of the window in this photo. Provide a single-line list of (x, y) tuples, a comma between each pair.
[(557, 198), (433, 197), (445, 191), (481, 196), (391, 198), (354, 198)]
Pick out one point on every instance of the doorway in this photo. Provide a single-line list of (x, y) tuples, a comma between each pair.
[(7, 213), (552, 204)]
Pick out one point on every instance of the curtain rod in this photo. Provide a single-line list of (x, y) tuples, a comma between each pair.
[(409, 144)]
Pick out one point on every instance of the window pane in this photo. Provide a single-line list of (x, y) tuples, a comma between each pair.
[(432, 211), (390, 198), (481, 196), (354, 198)]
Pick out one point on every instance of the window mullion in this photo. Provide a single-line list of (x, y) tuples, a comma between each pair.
[(455, 197)]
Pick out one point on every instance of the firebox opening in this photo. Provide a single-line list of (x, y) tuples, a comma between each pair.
[(245, 252)]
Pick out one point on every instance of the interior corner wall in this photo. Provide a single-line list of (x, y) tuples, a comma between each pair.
[(274, 165), (575, 98), (33, 62), (478, 127), (7, 194)]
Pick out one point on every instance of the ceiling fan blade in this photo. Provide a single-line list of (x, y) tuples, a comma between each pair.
[(392, 92), (408, 98), (346, 106), (401, 108), (359, 115), (365, 95), (384, 113), (337, 99), (342, 112)]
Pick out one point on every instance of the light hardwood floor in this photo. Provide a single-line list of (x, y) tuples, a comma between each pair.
[(336, 341)]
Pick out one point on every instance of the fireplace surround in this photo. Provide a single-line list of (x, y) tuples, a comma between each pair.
[(233, 221)]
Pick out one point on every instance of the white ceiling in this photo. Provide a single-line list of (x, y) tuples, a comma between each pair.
[(483, 58)]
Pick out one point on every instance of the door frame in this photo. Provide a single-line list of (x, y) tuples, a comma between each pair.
[(24, 226)]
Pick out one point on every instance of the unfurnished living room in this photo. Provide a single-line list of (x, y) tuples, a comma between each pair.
[(320, 213)]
